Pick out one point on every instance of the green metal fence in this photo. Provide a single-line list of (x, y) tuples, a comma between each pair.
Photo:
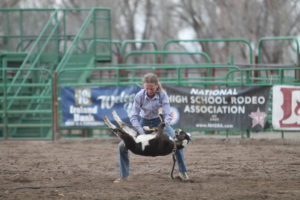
[(235, 76), (29, 56), (161, 54), (164, 53), (17, 37), (15, 34), (30, 114), (214, 40), (263, 40), (76, 43)]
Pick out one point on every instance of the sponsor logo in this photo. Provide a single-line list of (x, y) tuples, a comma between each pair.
[(290, 107), (258, 118), (175, 115), (83, 96)]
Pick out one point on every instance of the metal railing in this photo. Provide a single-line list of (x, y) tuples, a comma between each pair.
[(25, 119), (33, 57), (212, 40), (26, 90), (280, 38), (164, 53)]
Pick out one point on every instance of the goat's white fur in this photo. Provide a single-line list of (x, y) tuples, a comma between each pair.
[(143, 139), (123, 126)]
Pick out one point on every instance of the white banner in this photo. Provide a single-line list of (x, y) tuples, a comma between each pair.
[(286, 107)]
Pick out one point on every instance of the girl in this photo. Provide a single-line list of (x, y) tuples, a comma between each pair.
[(145, 113)]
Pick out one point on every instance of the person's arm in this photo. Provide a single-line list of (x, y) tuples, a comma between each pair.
[(166, 108), (135, 114)]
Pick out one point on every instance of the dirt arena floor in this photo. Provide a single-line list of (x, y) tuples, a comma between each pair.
[(233, 169)]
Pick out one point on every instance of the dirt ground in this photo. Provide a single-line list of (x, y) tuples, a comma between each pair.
[(233, 169)]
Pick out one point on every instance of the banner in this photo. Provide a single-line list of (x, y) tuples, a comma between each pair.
[(232, 108), (85, 107), (286, 108)]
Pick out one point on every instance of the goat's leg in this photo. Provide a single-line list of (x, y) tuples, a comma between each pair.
[(108, 122), (123, 125), (114, 129), (117, 131)]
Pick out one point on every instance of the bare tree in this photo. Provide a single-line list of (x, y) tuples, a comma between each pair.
[(249, 20), (135, 22), (194, 19), (280, 19)]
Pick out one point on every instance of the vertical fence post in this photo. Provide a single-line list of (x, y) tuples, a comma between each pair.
[(255, 73), (282, 134), (4, 77), (298, 71), (54, 107)]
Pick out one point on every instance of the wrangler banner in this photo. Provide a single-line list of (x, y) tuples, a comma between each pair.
[(232, 108), (84, 106)]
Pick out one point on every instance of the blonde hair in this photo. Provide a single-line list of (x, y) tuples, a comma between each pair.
[(152, 78)]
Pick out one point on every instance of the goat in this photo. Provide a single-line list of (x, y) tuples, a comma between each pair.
[(156, 143)]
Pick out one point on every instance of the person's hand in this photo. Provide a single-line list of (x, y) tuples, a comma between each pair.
[(141, 131), (162, 124), (167, 123)]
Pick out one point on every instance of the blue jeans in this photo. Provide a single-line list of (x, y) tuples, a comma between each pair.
[(123, 151)]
